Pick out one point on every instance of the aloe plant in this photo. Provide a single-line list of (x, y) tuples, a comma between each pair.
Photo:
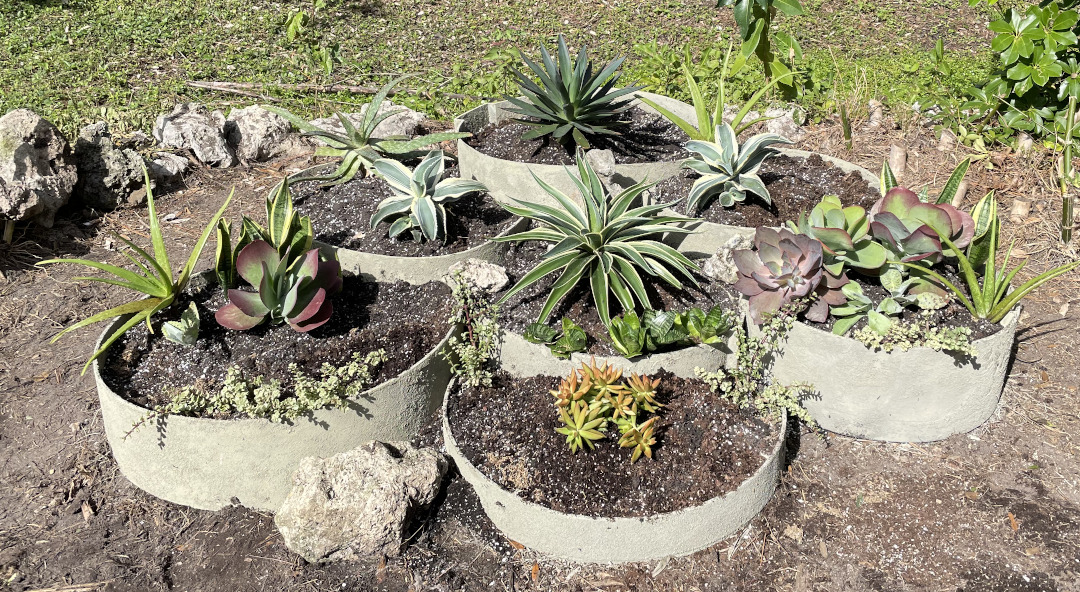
[(572, 103), (608, 242), (154, 279), (297, 292), (420, 197), (357, 148), (728, 170)]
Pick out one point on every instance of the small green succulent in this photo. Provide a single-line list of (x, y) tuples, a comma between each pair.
[(608, 242), (286, 230), (420, 197), (572, 103), (728, 170), (569, 340), (357, 148)]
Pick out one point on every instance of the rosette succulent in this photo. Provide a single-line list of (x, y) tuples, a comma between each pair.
[(297, 293), (909, 229), (572, 103), (782, 267), (420, 196), (728, 170), (844, 234)]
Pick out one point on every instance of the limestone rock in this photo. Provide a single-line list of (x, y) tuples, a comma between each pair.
[(37, 168), (484, 276), (356, 503), (404, 123), (167, 166), (108, 174), (255, 133), (721, 266), (783, 123), (192, 126)]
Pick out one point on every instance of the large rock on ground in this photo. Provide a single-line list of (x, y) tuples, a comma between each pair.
[(482, 275), (356, 503), (405, 122), (192, 126), (255, 133), (37, 168), (108, 175)]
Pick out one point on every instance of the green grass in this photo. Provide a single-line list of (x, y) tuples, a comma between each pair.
[(79, 61)]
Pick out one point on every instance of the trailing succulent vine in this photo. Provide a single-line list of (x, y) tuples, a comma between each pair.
[(260, 397), (592, 398), (470, 355), (918, 332), (748, 384)]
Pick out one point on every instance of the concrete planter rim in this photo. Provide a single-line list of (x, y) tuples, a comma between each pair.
[(621, 539), (196, 473)]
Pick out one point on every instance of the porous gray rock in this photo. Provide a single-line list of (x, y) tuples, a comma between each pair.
[(480, 274), (782, 122), (108, 175), (192, 126), (355, 504), (167, 166), (405, 122), (721, 266), (37, 168), (255, 133)]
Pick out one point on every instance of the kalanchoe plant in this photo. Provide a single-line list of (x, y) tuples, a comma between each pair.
[(593, 397), (728, 170), (358, 148), (420, 197), (784, 267), (991, 298), (572, 103), (569, 340), (286, 230), (608, 242), (156, 280), (844, 234), (908, 228), (297, 293)]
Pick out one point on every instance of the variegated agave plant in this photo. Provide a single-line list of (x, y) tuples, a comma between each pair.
[(728, 171), (420, 196), (608, 242)]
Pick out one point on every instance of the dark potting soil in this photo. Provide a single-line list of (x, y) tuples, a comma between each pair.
[(795, 185), (407, 321), (645, 137), (523, 308), (340, 217), (954, 314), (705, 447)]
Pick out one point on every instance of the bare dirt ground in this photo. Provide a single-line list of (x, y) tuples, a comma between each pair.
[(994, 510)]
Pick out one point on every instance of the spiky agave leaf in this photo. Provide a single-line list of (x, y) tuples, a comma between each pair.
[(607, 242), (728, 171)]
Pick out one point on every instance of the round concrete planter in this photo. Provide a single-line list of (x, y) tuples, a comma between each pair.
[(920, 395), (507, 178), (616, 540), (710, 236), (417, 270), (205, 463)]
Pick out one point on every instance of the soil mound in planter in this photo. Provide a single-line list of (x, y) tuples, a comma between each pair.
[(705, 447), (341, 217), (407, 321), (645, 137), (524, 307), (795, 185)]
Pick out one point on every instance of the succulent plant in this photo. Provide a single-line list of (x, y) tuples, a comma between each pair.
[(572, 103), (286, 230), (184, 331), (593, 397), (297, 293), (727, 169), (783, 267), (909, 229), (562, 344), (844, 234), (420, 196), (358, 149), (609, 242)]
